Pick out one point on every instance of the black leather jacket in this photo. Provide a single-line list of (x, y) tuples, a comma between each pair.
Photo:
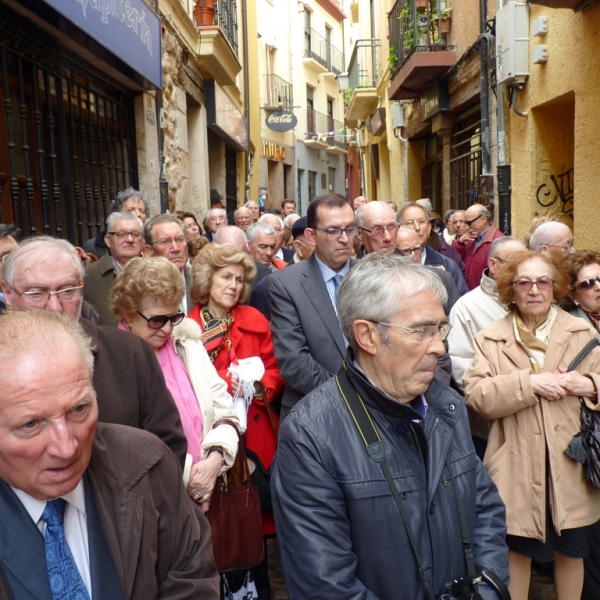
[(339, 529)]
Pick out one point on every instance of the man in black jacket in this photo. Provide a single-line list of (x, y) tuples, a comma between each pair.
[(340, 529), (46, 273)]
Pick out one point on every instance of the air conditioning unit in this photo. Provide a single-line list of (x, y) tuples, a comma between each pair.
[(512, 43)]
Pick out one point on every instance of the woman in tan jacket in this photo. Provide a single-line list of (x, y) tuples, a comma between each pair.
[(518, 381)]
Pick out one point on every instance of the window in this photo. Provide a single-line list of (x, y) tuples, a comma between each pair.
[(331, 180), (312, 185)]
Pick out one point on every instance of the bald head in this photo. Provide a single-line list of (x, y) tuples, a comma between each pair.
[(377, 227), (358, 202), (500, 251), (553, 235), (230, 234), (407, 243)]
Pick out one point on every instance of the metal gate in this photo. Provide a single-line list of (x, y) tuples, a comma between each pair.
[(67, 137), (465, 159)]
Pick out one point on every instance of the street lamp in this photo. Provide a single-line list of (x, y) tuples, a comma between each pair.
[(343, 81)]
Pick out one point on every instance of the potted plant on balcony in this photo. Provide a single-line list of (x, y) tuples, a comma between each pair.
[(204, 12), (422, 4), (445, 19)]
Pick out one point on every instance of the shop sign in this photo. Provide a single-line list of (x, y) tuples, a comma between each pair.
[(127, 28), (434, 99), (377, 121), (224, 117), (273, 151), (282, 120)]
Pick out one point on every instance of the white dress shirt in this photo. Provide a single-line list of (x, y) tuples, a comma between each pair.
[(75, 526)]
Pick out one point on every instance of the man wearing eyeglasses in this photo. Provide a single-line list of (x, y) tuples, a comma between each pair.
[(474, 245), (124, 240), (553, 235), (377, 228), (46, 273), (217, 218), (164, 236), (341, 529), (307, 337)]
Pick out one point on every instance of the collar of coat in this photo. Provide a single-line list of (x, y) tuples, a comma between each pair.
[(440, 398)]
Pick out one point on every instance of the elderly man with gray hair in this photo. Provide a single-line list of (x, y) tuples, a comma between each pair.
[(553, 235), (278, 225), (262, 245), (124, 239), (376, 483), (216, 218)]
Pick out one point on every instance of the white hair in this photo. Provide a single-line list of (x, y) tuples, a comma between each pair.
[(257, 229)]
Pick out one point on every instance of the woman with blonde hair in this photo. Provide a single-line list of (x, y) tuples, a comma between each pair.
[(145, 297), (238, 341)]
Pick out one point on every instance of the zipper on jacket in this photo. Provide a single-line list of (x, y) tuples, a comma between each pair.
[(435, 424)]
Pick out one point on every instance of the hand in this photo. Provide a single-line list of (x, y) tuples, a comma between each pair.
[(576, 384), (202, 480), (235, 384), (86, 259), (468, 236), (548, 385)]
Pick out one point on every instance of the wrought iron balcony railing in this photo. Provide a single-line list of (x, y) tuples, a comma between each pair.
[(279, 92), (362, 70), (335, 60), (316, 124), (315, 46), (417, 26), (338, 134), (226, 19)]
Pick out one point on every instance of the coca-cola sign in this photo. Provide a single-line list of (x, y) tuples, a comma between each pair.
[(282, 120)]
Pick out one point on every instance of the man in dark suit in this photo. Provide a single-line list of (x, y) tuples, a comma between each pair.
[(124, 239), (164, 236), (307, 336), (46, 273), (88, 509)]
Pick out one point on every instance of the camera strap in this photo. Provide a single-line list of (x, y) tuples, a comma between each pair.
[(375, 447)]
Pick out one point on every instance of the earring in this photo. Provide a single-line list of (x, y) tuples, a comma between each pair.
[(129, 324)]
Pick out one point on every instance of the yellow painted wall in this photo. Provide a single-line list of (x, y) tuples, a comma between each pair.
[(562, 129), (254, 99)]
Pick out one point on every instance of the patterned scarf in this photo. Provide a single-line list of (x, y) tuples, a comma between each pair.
[(214, 336), (594, 318)]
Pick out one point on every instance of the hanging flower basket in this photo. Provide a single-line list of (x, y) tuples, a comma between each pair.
[(422, 4), (445, 25)]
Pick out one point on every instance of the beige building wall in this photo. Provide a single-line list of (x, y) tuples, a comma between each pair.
[(552, 150)]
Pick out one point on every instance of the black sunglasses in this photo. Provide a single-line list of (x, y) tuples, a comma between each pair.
[(159, 321), (587, 284)]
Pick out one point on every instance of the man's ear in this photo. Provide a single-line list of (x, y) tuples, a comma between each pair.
[(309, 234), (147, 250), (7, 290), (367, 336)]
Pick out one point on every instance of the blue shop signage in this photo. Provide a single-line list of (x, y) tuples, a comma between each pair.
[(128, 28)]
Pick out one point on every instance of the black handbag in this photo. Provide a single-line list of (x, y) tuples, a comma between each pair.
[(585, 446)]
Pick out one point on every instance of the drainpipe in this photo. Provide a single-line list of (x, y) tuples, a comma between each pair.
[(484, 93), (504, 168), (246, 94)]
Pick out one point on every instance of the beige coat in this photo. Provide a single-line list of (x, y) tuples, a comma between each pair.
[(525, 427)]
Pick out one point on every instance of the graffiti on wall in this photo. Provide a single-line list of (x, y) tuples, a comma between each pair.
[(558, 193)]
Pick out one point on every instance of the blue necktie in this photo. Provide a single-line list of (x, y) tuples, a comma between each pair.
[(65, 579)]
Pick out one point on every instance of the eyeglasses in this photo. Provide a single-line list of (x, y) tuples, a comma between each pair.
[(411, 251), (419, 222), (214, 219), (379, 231), (179, 240), (159, 321), (335, 233), (41, 297), (121, 235), (423, 334), (566, 248), (469, 223), (587, 284), (524, 285)]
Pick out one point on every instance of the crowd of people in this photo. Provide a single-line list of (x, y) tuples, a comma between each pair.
[(400, 377)]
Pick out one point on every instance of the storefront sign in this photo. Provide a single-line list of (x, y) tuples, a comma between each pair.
[(127, 28), (434, 99), (377, 121), (282, 120), (273, 151), (224, 117)]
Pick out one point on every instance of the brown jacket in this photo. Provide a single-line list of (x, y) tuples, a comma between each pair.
[(99, 277), (527, 431)]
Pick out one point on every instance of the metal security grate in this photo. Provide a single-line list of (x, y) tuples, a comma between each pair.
[(67, 139)]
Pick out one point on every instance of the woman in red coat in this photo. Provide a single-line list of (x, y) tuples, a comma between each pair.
[(232, 332)]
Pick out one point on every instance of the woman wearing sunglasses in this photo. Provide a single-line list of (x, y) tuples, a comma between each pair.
[(583, 299), (145, 297), (518, 381)]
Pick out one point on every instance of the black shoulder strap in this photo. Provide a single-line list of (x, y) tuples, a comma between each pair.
[(586, 350), (376, 451)]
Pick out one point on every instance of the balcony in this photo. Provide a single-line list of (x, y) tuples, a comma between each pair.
[(320, 56), (338, 137), (317, 131), (362, 73), (280, 93), (419, 51), (218, 41)]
